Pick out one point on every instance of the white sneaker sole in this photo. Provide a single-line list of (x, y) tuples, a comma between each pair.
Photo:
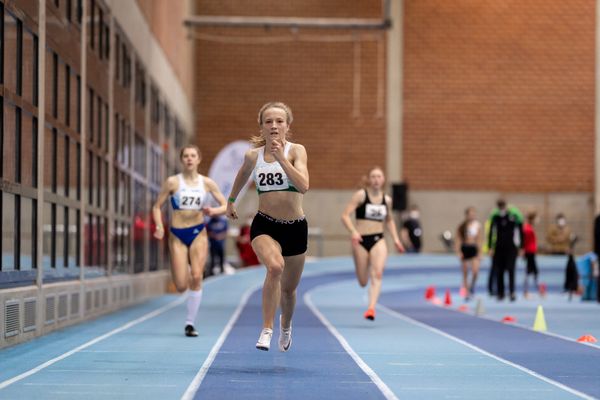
[(264, 346)]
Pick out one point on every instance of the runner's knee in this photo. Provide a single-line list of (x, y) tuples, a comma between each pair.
[(275, 266)]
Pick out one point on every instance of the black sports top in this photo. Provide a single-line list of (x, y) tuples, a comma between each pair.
[(370, 211)]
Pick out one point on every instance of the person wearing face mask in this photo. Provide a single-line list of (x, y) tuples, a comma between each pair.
[(559, 236), (412, 231), (505, 238), (279, 230)]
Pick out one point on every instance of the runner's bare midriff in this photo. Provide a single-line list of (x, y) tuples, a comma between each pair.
[(281, 205)]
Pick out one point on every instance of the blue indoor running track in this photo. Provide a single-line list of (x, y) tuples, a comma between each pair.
[(414, 349)]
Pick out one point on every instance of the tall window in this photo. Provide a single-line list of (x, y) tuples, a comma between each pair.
[(18, 149)]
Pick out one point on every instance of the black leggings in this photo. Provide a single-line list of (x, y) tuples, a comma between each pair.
[(504, 261)]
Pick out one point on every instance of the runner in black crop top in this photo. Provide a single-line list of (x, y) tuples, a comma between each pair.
[(369, 248), (373, 212)]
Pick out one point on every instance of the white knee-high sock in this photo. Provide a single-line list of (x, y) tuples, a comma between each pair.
[(193, 304)]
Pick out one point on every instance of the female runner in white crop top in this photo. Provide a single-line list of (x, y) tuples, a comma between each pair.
[(469, 237), (188, 240), (279, 230)]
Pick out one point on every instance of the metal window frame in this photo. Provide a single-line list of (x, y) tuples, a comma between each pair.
[(67, 169), (90, 127), (67, 94), (18, 143), (1, 216), (19, 59), (53, 235), (92, 18), (1, 135), (1, 43), (34, 159), (99, 120), (78, 128), (69, 10), (36, 66), (54, 161), (17, 233), (66, 237), (55, 63)]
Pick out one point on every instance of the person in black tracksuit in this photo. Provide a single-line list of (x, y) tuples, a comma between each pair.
[(504, 240)]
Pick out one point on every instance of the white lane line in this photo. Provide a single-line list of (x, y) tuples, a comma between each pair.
[(92, 342), (197, 381), (128, 385), (387, 392), (527, 328), (480, 350)]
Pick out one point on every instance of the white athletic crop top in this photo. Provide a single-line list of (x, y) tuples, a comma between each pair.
[(473, 229), (270, 177), (189, 197)]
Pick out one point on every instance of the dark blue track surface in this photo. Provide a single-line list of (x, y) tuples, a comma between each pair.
[(316, 367), (566, 362)]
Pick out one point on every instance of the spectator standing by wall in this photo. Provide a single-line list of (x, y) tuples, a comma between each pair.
[(504, 241), (217, 234), (412, 232), (559, 236), (530, 248)]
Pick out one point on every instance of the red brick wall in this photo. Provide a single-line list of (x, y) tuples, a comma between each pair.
[(165, 18), (499, 95), (315, 78)]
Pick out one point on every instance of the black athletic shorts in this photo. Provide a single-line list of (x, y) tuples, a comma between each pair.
[(292, 235), (468, 251)]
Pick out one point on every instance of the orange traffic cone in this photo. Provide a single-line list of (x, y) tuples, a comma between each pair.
[(509, 319), (542, 289), (429, 292), (448, 299), (463, 308), (587, 339)]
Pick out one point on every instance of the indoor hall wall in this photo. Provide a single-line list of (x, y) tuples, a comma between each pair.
[(499, 95), (334, 81), (165, 19), (499, 99)]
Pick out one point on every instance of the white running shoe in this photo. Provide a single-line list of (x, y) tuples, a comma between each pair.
[(285, 337), (264, 340)]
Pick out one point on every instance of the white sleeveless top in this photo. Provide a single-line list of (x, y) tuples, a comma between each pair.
[(473, 229), (189, 197), (270, 177)]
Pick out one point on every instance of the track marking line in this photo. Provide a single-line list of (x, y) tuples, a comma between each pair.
[(559, 385), (197, 381), (385, 390), (92, 342)]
